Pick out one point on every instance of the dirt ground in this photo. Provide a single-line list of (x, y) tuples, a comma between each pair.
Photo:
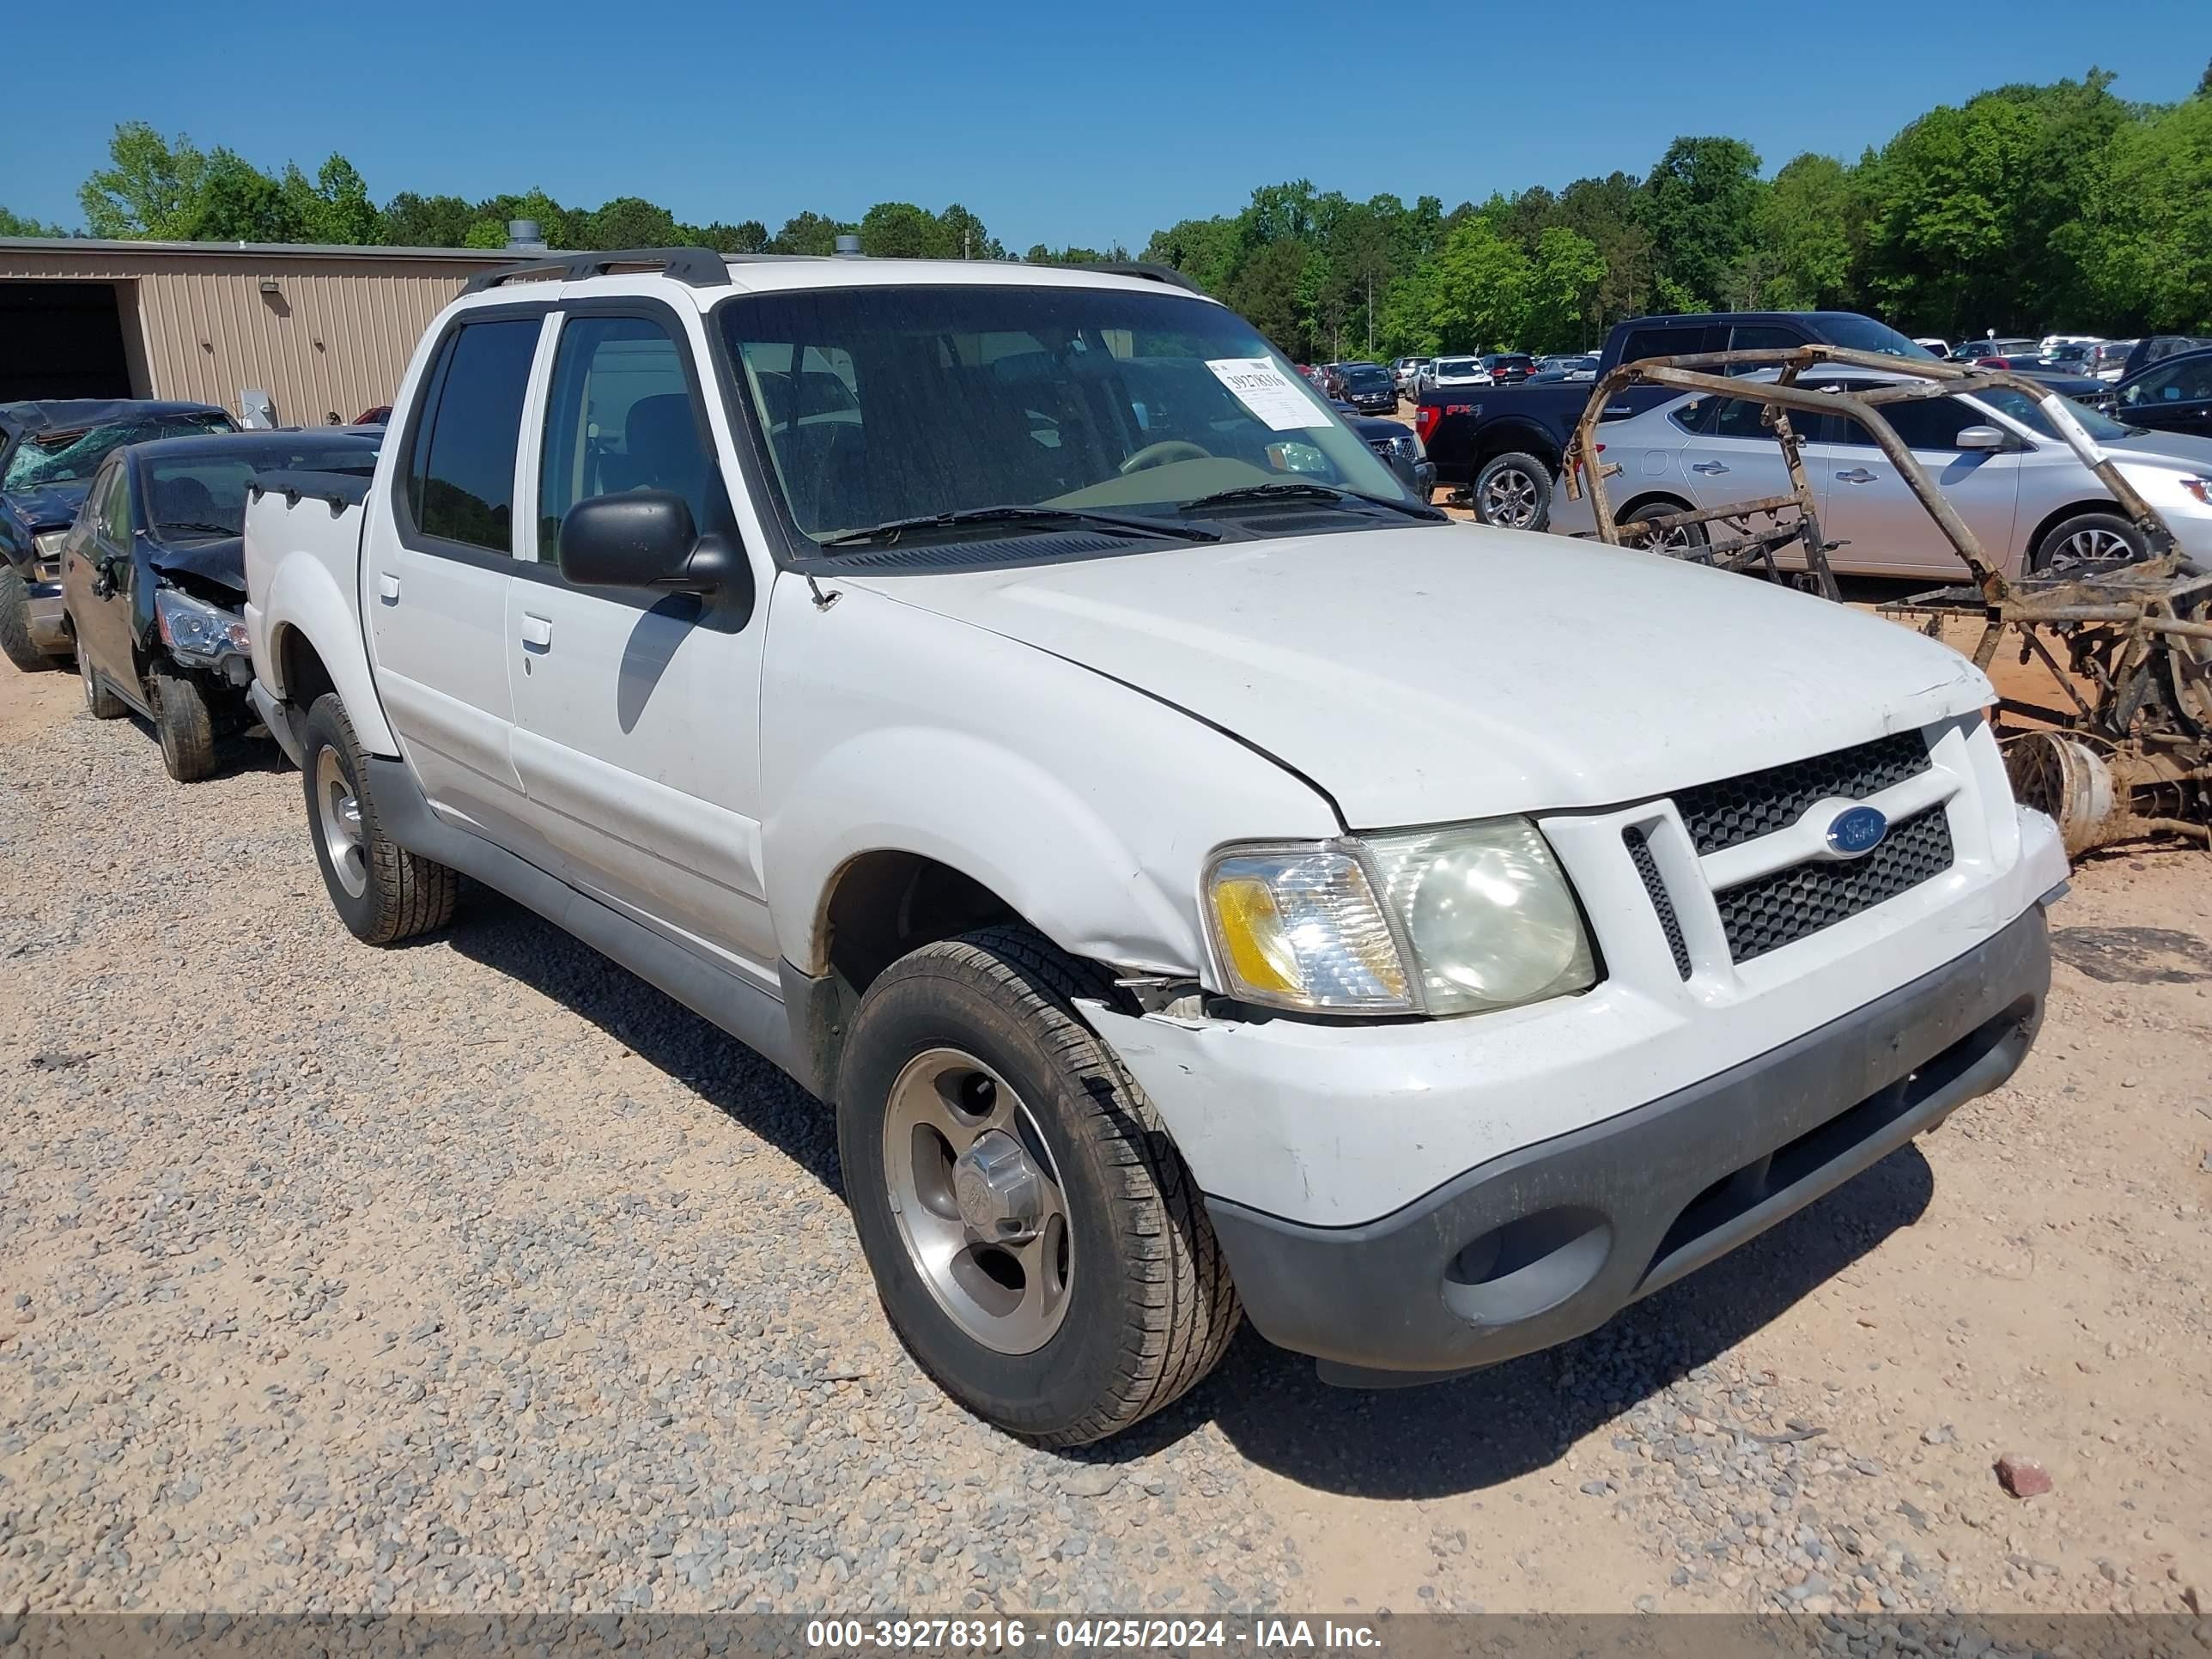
[(476, 1275)]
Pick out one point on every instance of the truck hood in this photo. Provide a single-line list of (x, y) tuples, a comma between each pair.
[(1427, 674), (48, 507)]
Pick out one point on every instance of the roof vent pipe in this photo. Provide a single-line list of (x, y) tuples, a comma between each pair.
[(522, 236), (849, 245)]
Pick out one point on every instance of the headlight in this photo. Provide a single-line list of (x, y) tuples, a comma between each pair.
[(49, 543), (2199, 488), (195, 628), (1437, 921)]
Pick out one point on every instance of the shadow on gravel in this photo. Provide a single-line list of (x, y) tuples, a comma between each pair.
[(1490, 1426), (501, 934), (235, 756)]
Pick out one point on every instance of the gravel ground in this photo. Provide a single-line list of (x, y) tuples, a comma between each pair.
[(476, 1275)]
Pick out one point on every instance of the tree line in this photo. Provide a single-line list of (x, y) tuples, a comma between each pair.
[(2025, 207)]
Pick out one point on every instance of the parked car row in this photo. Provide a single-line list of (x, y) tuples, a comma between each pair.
[(1030, 747)]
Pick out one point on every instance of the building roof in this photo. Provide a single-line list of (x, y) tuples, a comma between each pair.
[(472, 256)]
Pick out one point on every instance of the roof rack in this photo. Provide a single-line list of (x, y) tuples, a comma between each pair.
[(697, 267), (1142, 268)]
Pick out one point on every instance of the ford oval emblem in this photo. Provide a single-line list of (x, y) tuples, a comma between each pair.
[(1857, 832)]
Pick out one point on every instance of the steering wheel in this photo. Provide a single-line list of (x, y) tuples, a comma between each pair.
[(1167, 449)]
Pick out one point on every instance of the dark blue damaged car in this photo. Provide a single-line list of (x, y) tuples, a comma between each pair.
[(48, 452)]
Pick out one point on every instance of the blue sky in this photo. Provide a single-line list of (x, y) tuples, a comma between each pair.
[(1056, 122)]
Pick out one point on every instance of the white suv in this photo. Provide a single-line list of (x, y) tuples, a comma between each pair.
[(1197, 874)]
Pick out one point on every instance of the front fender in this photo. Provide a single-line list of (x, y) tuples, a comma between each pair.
[(303, 597), (1087, 806)]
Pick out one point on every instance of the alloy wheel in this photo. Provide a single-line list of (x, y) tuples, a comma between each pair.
[(976, 1200), (1509, 499), (339, 809)]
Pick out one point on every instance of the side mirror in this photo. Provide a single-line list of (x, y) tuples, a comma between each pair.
[(642, 539), (1982, 437)]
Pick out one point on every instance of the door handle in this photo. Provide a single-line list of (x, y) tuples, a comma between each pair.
[(1713, 467), (536, 632), (1856, 475), (387, 587)]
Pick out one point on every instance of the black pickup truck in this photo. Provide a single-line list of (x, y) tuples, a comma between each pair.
[(1503, 443)]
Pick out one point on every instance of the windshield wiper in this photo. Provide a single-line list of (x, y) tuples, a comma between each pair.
[(892, 529), (1272, 492), (188, 524)]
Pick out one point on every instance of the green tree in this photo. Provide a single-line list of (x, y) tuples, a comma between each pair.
[(412, 221), (630, 221), (2150, 228), (236, 201), (1562, 284), (1479, 296), (748, 237), (962, 235), (1699, 206), (899, 230), (807, 232), (14, 224), (334, 207), (1810, 226), (149, 188)]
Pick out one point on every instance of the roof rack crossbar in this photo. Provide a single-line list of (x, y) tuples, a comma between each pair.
[(696, 267)]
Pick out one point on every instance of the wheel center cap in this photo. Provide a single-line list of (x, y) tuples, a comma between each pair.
[(998, 1190)]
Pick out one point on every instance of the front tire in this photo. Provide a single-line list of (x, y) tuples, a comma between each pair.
[(16, 642), (1034, 1238), (185, 725), (2090, 542), (382, 892), (1513, 491)]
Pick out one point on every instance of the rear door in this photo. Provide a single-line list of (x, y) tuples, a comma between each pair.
[(1871, 507), (439, 559), (100, 539), (637, 730), (1732, 456)]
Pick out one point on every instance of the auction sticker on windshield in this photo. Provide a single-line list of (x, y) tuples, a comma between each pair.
[(1267, 393)]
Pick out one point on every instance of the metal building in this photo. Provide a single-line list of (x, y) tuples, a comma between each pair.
[(324, 331)]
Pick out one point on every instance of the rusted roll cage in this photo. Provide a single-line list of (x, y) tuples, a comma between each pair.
[(2133, 756)]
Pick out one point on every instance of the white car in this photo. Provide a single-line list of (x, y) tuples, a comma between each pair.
[(1446, 373), (2025, 496), (1198, 877)]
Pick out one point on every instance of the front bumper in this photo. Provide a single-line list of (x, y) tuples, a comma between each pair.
[(1542, 1244), (48, 618)]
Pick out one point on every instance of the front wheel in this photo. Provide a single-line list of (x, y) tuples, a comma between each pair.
[(383, 892), (2089, 541), (186, 727), (1034, 1238), (1513, 491)]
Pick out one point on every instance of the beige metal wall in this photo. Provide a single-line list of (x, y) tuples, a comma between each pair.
[(334, 338)]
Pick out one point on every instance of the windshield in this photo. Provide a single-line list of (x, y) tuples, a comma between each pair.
[(1864, 334), (198, 496), (48, 457), (2019, 406), (887, 404), (1366, 375), (1457, 366)]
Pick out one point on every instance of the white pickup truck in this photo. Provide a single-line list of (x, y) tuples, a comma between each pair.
[(1200, 877)]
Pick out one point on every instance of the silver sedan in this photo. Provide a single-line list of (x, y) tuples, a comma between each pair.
[(1993, 455)]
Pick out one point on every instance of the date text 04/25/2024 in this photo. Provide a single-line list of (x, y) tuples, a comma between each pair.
[(1106, 1634)]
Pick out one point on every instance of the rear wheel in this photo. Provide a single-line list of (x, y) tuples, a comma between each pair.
[(1513, 491), (383, 892), (2091, 539), (1684, 541), (186, 727), (99, 702), (16, 642), (1036, 1241)]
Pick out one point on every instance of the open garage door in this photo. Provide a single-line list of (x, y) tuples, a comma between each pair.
[(61, 340)]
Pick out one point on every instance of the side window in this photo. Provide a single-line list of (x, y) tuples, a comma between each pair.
[(1934, 423), (1659, 343), (1741, 418), (1760, 338), (619, 416), (114, 521), (460, 482)]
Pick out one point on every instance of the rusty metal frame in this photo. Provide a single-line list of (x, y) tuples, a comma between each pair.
[(2118, 627)]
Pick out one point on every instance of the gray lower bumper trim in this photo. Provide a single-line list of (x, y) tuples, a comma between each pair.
[(277, 717), (1543, 1245)]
